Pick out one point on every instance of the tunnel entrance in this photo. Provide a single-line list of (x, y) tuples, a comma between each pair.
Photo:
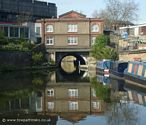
[(69, 63)]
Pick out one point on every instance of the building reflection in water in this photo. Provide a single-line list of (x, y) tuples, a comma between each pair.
[(122, 109), (71, 98)]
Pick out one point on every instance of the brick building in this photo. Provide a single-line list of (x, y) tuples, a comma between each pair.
[(71, 31)]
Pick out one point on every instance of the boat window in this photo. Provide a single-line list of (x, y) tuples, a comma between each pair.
[(135, 68), (145, 73), (130, 67), (122, 67), (140, 68)]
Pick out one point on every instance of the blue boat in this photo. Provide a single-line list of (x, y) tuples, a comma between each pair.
[(103, 79), (102, 67), (117, 68), (136, 72)]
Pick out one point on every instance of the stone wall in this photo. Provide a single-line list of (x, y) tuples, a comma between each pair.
[(15, 58)]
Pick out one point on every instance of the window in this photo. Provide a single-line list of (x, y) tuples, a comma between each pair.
[(50, 92), (49, 28), (130, 68), (95, 105), (145, 74), (37, 30), (72, 40), (50, 40), (6, 31), (93, 40), (24, 32), (39, 104), (72, 28), (140, 69), (73, 92), (50, 105), (73, 105), (95, 28), (14, 32)]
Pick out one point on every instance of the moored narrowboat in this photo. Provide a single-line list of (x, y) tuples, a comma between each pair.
[(103, 79), (117, 68), (136, 72), (102, 67)]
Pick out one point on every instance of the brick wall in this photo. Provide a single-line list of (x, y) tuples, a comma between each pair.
[(15, 58)]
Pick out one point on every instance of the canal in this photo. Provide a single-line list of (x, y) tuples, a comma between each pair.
[(75, 98)]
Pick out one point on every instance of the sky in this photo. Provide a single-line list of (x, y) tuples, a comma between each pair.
[(87, 7)]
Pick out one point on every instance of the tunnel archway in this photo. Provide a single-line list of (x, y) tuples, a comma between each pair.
[(80, 60)]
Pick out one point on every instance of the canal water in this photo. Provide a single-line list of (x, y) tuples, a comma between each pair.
[(74, 98)]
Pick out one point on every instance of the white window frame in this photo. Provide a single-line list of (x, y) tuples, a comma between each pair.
[(72, 28), (95, 104), (50, 40), (39, 104), (50, 92), (14, 32), (73, 93), (50, 105), (95, 28), (49, 28), (38, 31), (72, 40), (72, 105)]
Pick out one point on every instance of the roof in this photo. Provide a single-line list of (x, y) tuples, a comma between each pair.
[(72, 14), (124, 22)]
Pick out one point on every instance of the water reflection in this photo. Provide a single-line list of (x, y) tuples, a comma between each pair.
[(121, 114), (54, 98)]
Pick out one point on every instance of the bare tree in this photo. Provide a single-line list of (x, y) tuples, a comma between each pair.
[(118, 11)]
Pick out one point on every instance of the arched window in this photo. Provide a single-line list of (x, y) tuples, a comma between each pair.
[(95, 28), (49, 28)]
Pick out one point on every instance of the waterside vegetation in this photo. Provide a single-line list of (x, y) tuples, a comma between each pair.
[(101, 49), (21, 54)]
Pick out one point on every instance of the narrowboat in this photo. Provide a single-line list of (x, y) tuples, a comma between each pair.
[(102, 79), (117, 84), (136, 72), (117, 69), (102, 67)]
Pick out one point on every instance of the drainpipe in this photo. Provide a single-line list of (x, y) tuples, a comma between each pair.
[(89, 32), (43, 31)]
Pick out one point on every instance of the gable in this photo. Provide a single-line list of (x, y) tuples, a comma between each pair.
[(72, 14)]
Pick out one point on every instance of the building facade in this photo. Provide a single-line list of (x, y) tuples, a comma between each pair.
[(15, 31), (71, 31), (133, 37), (132, 42), (26, 10)]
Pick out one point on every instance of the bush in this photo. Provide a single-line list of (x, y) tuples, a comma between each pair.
[(37, 58)]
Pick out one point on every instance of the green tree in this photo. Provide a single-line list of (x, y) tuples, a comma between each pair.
[(101, 50), (102, 41), (37, 57)]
